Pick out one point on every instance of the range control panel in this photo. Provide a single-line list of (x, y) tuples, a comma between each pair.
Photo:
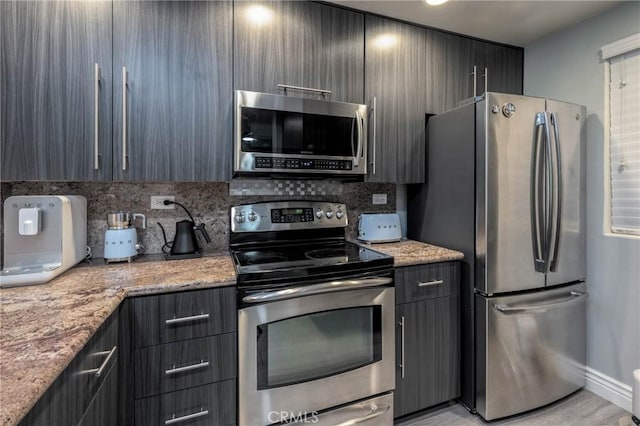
[(287, 215)]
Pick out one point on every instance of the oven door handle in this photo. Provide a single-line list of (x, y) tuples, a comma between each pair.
[(326, 287)]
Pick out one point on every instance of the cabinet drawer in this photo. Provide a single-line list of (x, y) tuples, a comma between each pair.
[(180, 365), (178, 316), (209, 405), (421, 282), (71, 393)]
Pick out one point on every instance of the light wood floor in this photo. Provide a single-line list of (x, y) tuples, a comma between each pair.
[(582, 408)]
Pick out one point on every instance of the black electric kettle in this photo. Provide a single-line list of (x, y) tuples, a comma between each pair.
[(185, 244)]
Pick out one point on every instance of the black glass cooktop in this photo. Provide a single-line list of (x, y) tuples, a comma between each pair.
[(297, 261)]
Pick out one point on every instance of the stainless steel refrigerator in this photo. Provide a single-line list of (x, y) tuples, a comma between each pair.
[(506, 186)]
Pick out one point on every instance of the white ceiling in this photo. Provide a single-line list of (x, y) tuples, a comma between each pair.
[(515, 22)]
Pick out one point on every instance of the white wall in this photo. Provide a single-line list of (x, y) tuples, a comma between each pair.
[(567, 66)]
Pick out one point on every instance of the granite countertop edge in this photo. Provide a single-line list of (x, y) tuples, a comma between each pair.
[(91, 306), (75, 305)]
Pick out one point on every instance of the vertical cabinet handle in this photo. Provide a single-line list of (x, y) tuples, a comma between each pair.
[(475, 80), (124, 118), (486, 79), (401, 365), (373, 152), (96, 116)]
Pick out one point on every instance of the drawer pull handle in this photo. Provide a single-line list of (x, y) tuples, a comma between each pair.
[(98, 371), (430, 283), (173, 420), (174, 370), (186, 319)]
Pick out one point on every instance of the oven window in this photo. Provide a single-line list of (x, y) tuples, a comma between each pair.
[(318, 345), (282, 132)]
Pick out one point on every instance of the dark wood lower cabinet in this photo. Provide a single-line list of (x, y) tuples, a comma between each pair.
[(103, 410), (430, 373), (210, 405), (70, 396), (180, 365), (427, 308)]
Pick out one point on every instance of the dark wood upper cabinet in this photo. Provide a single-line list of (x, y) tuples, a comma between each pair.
[(396, 80), (450, 71), (299, 43), (143, 90), (48, 56), (177, 93), (504, 67)]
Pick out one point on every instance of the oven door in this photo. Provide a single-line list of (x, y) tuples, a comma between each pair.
[(307, 354)]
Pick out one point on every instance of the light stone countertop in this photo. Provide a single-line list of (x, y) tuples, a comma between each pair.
[(43, 327), (409, 252)]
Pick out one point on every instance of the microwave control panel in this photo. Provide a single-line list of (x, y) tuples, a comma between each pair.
[(299, 163)]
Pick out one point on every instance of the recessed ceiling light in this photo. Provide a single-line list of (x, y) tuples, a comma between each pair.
[(385, 41), (436, 2), (259, 15)]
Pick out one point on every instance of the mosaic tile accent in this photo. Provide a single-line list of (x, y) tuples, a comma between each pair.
[(299, 188)]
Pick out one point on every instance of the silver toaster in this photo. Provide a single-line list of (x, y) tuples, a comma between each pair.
[(379, 227)]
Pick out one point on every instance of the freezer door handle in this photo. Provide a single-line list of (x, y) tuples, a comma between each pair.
[(507, 310)]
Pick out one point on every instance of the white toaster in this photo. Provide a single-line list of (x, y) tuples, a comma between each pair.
[(379, 227)]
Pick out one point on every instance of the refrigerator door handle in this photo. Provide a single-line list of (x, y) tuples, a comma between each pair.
[(557, 212), (506, 309), (550, 188), (535, 205)]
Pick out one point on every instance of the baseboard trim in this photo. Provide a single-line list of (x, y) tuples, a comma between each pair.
[(608, 388)]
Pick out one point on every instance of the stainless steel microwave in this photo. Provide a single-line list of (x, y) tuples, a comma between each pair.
[(276, 134)]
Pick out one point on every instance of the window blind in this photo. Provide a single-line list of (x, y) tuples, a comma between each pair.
[(624, 132)]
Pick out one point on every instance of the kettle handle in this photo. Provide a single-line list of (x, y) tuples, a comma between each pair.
[(204, 232), (144, 219)]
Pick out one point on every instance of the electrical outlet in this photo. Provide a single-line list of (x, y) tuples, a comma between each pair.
[(157, 202), (379, 199)]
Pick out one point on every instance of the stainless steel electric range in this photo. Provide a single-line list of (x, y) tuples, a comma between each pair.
[(315, 318)]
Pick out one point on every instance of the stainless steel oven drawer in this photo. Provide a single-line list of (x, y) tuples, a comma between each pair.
[(187, 315), (209, 405), (185, 364), (376, 411), (421, 282)]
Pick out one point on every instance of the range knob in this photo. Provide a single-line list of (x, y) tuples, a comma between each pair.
[(319, 213), (339, 214), (252, 216), (239, 218), (329, 214)]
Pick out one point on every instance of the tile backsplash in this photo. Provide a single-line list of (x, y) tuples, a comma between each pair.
[(208, 202)]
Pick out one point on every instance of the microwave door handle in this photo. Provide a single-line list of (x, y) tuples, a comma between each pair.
[(353, 125), (358, 124), (360, 135)]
